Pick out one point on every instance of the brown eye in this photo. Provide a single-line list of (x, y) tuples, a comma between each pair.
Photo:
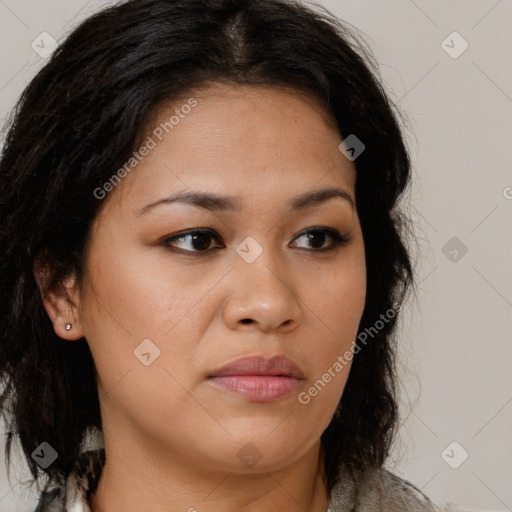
[(197, 240), (317, 237)]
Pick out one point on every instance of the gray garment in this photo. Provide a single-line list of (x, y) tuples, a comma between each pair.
[(372, 491), (377, 490)]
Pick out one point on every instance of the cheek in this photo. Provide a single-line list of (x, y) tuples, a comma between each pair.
[(130, 311), (133, 295), (129, 299), (339, 298), (337, 305)]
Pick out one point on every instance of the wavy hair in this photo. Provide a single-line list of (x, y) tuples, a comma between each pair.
[(83, 115)]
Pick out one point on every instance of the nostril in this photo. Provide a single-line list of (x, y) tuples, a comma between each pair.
[(246, 321)]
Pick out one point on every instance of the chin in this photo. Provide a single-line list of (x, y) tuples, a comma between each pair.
[(259, 452)]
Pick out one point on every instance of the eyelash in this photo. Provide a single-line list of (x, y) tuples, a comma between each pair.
[(339, 240)]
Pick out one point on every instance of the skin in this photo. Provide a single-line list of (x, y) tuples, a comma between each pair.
[(171, 438)]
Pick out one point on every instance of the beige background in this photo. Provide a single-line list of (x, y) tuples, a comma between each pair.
[(456, 338)]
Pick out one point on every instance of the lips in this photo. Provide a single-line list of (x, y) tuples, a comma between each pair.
[(258, 365), (258, 379)]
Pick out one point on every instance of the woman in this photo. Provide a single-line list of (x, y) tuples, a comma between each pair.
[(144, 370)]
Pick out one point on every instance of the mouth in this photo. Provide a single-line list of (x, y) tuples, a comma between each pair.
[(258, 378)]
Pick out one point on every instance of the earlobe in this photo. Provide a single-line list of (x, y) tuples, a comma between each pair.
[(64, 316), (60, 304)]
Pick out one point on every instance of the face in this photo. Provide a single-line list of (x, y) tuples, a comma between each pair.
[(173, 291)]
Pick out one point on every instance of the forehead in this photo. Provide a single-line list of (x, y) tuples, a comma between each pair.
[(241, 140)]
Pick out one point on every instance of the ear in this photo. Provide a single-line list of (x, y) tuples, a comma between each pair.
[(61, 302)]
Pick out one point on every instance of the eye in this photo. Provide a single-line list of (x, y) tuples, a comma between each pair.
[(199, 240), (318, 236), (194, 240)]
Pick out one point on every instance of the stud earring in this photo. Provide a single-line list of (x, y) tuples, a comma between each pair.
[(68, 327)]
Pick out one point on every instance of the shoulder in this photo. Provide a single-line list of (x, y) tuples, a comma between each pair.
[(376, 490), (393, 493)]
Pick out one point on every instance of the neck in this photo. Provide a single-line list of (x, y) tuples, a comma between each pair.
[(142, 479)]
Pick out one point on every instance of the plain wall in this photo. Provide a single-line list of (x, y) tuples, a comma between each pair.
[(455, 338)]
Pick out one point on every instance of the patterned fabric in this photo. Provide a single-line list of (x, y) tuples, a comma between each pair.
[(81, 483), (374, 491)]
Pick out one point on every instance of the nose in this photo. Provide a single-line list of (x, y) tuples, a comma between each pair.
[(263, 298)]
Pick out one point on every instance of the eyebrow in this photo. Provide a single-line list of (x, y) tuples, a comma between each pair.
[(216, 202)]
